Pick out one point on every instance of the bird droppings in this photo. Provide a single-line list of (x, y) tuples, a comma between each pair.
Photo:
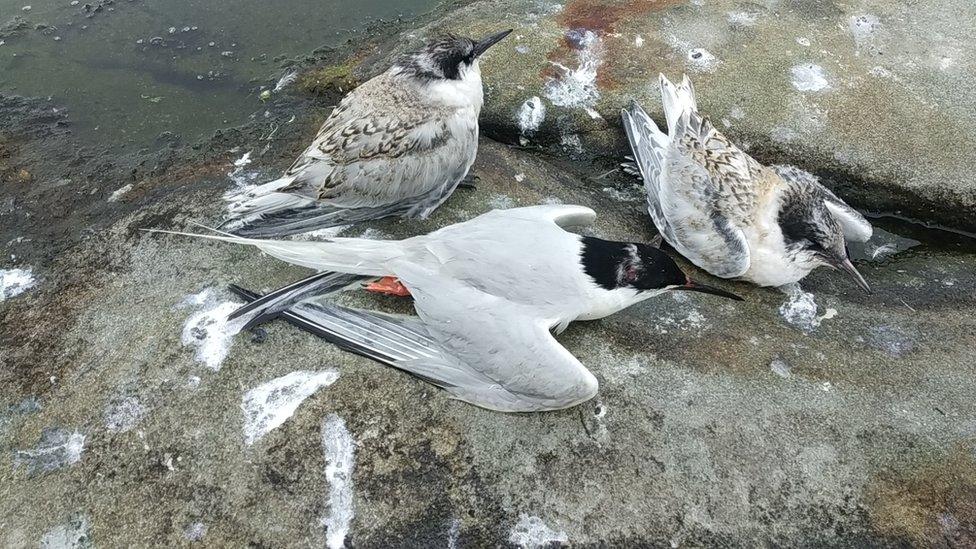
[(530, 116), (863, 27), (73, 534), (800, 309), (286, 80), (243, 161), (14, 282), (270, 404), (577, 88), (117, 194), (208, 329), (780, 367), (531, 532), (809, 78), (891, 340), (124, 415), (627, 195), (742, 18), (501, 202), (57, 448), (340, 457), (639, 41), (571, 143), (453, 534), (701, 60), (803, 41), (195, 531)]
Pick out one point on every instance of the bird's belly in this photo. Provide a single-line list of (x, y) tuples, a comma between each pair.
[(771, 267)]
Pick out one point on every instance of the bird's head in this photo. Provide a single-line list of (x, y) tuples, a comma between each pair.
[(447, 57), (812, 235), (640, 267)]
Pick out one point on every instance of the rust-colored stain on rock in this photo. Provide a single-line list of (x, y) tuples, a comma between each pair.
[(929, 504), (602, 16)]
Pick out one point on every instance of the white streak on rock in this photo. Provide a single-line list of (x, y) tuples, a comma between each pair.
[(639, 41), (286, 80), (454, 534), (243, 161), (577, 87), (531, 115), (14, 282), (270, 404), (741, 18), (208, 329), (57, 448), (117, 194), (809, 78), (531, 533), (340, 457)]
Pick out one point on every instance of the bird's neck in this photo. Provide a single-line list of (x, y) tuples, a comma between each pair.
[(465, 92)]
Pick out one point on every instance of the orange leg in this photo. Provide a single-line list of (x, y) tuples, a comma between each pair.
[(388, 285)]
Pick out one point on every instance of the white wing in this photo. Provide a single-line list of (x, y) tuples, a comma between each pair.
[(700, 187), (506, 344)]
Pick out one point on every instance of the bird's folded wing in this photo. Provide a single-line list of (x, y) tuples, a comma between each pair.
[(649, 146), (502, 341), (372, 159), (709, 190)]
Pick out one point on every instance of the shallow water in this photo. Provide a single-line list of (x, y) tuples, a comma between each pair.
[(129, 70)]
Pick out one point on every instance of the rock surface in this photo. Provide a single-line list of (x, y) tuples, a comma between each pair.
[(821, 416), (716, 423), (875, 95)]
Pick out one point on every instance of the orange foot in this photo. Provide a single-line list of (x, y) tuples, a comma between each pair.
[(388, 285)]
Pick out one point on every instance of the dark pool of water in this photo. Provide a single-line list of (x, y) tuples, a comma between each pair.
[(128, 70)]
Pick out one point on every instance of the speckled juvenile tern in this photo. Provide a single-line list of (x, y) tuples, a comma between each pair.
[(398, 145), (487, 293), (727, 213)]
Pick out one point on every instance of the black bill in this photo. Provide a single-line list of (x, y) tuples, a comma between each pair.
[(693, 286), (481, 46)]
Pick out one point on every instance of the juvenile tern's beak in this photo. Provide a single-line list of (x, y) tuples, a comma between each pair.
[(482, 45), (848, 267), (693, 286)]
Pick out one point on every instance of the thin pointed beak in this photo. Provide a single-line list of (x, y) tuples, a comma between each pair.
[(481, 46), (848, 267), (693, 286)]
